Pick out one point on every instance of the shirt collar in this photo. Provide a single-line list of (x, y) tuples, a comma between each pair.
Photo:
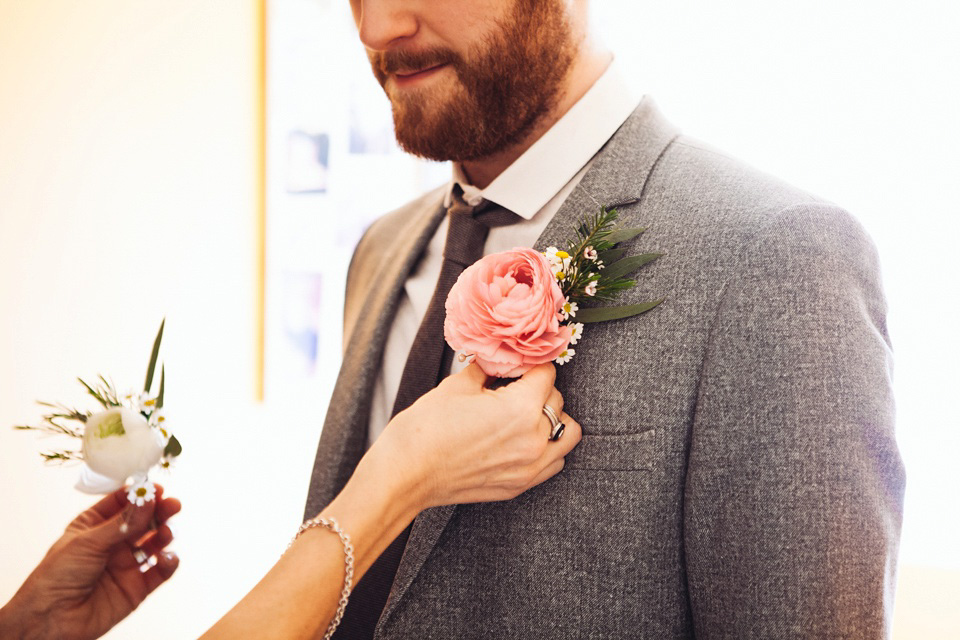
[(541, 172)]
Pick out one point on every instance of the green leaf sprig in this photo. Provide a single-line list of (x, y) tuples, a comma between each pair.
[(598, 270)]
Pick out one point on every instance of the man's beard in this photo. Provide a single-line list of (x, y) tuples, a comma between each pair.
[(509, 82)]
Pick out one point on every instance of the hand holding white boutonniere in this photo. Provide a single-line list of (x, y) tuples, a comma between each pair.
[(513, 310), (122, 441)]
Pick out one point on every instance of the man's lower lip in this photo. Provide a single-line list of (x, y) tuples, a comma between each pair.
[(415, 77)]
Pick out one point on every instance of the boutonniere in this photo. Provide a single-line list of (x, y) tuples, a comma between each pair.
[(123, 440), (513, 310)]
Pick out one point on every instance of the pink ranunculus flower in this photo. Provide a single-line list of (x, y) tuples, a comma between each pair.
[(505, 310)]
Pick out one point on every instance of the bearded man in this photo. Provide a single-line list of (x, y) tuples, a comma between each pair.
[(738, 474)]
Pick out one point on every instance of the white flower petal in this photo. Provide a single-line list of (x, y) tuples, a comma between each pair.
[(92, 482)]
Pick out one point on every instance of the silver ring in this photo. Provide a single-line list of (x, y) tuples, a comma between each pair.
[(556, 427), (557, 432), (140, 556), (551, 416)]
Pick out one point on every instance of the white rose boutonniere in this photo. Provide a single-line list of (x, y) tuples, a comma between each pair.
[(122, 442)]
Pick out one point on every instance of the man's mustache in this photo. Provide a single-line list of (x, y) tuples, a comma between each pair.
[(402, 61)]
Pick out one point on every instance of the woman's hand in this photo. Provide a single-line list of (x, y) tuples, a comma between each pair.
[(90, 578), (462, 442), (458, 443)]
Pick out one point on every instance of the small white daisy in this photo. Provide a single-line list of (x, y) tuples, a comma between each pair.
[(141, 492), (590, 253), (167, 463), (591, 289), (131, 398), (144, 402), (158, 417), (565, 356), (569, 309), (576, 332), (559, 260)]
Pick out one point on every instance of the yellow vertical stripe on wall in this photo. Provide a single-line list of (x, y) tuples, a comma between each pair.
[(261, 194)]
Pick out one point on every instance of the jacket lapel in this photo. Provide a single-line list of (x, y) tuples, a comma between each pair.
[(344, 437), (618, 175), (616, 179)]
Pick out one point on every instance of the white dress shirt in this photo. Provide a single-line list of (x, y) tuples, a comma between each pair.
[(533, 187)]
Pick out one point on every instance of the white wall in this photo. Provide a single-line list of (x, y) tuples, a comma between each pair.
[(127, 174), (127, 169)]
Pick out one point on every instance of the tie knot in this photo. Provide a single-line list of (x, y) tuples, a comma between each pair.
[(469, 225), (487, 213)]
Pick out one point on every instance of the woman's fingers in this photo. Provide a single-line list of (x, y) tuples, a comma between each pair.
[(156, 575), (167, 508), (552, 460), (137, 553), (158, 541), (572, 433), (555, 400), (548, 472), (536, 383), (128, 524), (474, 375), (111, 505)]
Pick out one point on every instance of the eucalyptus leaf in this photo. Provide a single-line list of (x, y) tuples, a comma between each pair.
[(622, 235), (153, 358), (629, 265), (602, 314), (173, 448), (163, 377)]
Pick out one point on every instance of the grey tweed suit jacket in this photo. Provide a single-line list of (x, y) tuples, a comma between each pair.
[(738, 475)]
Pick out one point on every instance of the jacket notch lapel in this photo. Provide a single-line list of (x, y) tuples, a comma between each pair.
[(344, 436)]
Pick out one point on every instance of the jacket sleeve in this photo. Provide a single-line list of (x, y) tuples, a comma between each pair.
[(794, 489)]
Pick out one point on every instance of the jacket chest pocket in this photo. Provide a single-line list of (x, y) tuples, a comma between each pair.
[(621, 452)]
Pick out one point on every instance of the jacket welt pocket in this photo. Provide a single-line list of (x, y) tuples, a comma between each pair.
[(625, 452)]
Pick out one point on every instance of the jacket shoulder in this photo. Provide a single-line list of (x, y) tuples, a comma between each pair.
[(722, 204), (692, 171)]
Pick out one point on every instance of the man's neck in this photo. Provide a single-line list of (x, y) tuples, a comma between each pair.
[(586, 70)]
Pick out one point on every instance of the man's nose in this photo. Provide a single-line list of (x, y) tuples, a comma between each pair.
[(383, 24)]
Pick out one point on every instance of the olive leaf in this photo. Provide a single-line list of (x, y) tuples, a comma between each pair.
[(163, 377), (173, 448), (153, 358), (603, 314), (622, 235), (627, 266), (611, 255)]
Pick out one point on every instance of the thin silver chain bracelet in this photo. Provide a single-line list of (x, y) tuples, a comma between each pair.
[(334, 526)]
